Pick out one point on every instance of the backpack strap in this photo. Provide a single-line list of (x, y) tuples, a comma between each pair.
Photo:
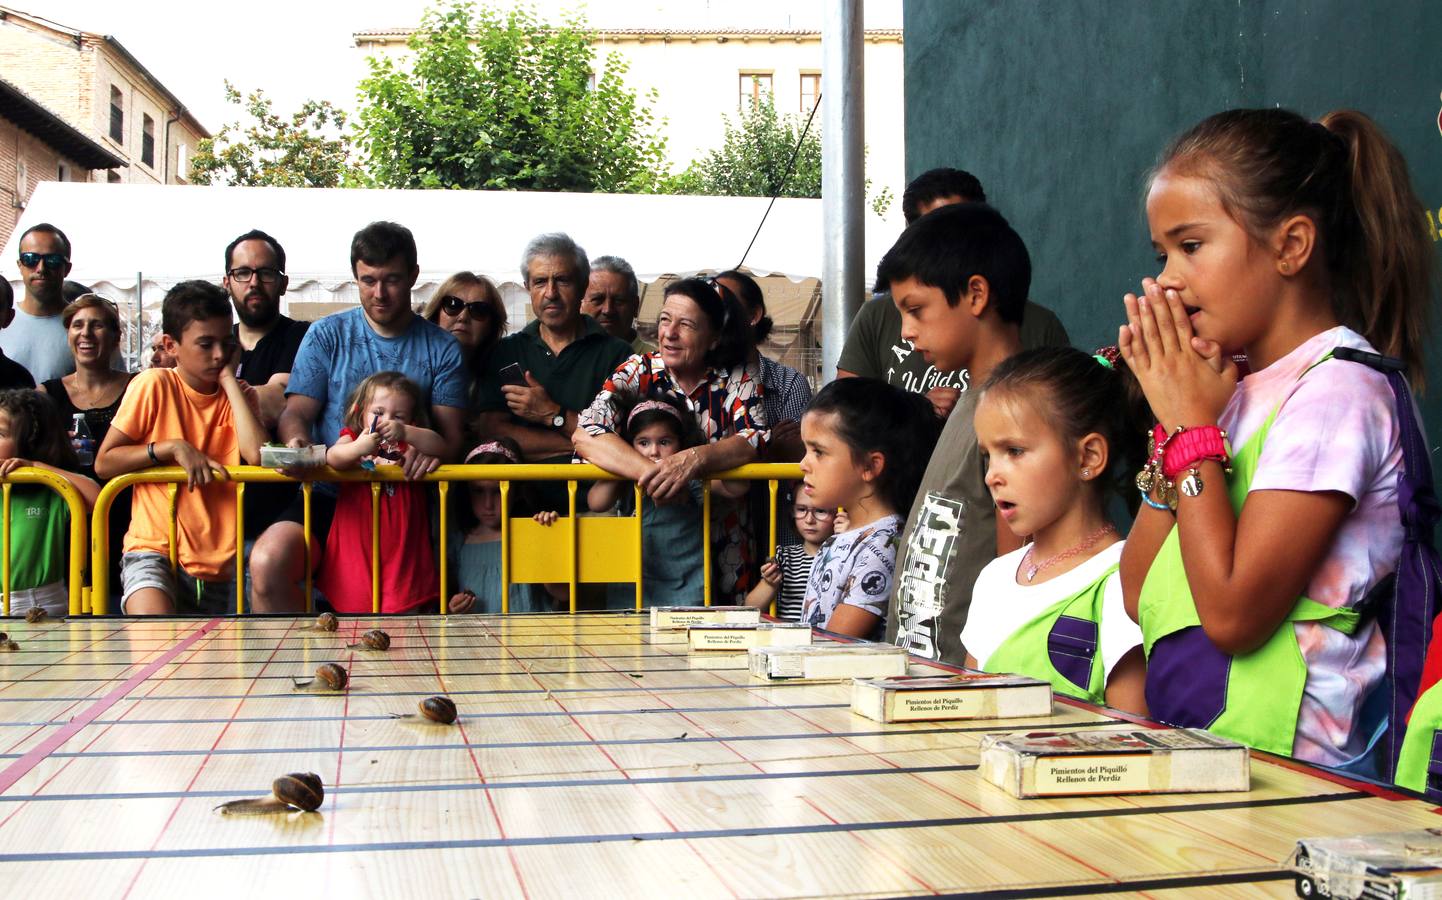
[(1408, 613)]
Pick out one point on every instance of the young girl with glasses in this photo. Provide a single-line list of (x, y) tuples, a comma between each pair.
[(784, 576), (867, 445)]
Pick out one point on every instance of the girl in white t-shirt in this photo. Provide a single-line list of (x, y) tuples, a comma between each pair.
[(1058, 427)]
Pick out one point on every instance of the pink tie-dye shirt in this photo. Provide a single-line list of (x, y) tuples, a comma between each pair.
[(1336, 431)]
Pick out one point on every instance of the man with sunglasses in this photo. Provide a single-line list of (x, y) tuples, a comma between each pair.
[(255, 279), (36, 339)]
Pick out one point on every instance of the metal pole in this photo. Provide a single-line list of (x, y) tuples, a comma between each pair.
[(843, 192)]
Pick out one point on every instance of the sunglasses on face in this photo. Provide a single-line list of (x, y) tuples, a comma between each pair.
[(52, 260), (479, 309)]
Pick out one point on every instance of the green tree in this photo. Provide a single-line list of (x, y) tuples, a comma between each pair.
[(755, 154), (503, 101), (307, 149)]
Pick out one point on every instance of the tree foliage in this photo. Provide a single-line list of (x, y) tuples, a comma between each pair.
[(307, 149), (503, 101), (754, 155)]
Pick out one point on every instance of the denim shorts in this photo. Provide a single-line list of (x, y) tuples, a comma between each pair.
[(191, 595)]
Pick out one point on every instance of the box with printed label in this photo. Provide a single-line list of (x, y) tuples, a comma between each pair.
[(979, 695), (744, 637), (1114, 761), (828, 662)]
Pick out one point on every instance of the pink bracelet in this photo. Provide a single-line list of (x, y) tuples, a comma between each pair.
[(1191, 446)]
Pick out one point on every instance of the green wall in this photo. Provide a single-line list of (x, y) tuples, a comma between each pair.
[(1060, 108)]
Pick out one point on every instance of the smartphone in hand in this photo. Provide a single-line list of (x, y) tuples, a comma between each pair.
[(513, 374)]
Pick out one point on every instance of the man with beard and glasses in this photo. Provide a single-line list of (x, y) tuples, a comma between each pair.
[(255, 278)]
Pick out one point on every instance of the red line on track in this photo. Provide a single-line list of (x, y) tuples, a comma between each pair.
[(20, 767)]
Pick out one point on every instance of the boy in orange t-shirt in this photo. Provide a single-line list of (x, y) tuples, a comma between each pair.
[(197, 416)]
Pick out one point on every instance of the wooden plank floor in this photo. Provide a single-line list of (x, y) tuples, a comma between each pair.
[(587, 762)]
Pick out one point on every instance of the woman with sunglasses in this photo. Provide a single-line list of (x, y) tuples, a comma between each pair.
[(469, 307)]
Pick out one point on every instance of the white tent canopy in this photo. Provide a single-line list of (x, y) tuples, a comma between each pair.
[(171, 233)]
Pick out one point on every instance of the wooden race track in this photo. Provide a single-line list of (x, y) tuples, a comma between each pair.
[(587, 762)]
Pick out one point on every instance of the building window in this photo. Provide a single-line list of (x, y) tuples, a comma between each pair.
[(62, 172), (810, 90), (117, 115), (22, 182), (147, 140), (754, 85), (182, 163), (112, 177)]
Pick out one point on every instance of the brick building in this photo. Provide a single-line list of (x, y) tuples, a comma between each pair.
[(96, 85), (38, 145)]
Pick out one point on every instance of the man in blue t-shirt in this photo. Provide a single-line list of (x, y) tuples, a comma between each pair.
[(338, 352)]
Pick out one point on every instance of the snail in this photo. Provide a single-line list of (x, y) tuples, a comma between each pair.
[(326, 622), (36, 614), (298, 790), (330, 676), (441, 710), (6, 644), (375, 639)]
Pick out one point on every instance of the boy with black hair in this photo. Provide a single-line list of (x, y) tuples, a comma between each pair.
[(199, 417), (959, 278)]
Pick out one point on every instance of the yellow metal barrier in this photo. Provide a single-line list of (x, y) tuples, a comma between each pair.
[(75, 503), (620, 537)]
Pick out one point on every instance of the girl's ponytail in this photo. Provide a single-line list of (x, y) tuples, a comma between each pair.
[(1386, 258)]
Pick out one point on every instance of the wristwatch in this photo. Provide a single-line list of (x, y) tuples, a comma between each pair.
[(559, 419)]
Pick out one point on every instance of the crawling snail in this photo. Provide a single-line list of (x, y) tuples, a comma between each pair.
[(441, 710), (298, 790), (326, 622), (330, 676), (36, 614), (375, 639), (7, 644)]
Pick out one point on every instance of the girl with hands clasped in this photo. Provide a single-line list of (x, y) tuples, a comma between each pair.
[(386, 417), (1271, 504), (1058, 428)]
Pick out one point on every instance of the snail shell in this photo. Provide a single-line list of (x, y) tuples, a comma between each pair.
[(36, 614), (303, 790), (376, 640), (332, 676), (9, 645), (326, 622), (439, 709), (4, 637)]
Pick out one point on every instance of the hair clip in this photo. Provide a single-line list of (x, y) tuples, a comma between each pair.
[(1107, 356)]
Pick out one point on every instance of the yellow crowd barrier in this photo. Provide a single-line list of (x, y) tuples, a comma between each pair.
[(528, 550), (75, 581)]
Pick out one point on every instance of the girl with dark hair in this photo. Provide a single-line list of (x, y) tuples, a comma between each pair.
[(671, 557), (784, 576), (476, 549), (703, 343), (1272, 505), (1058, 428), (867, 445), (785, 391), (32, 434)]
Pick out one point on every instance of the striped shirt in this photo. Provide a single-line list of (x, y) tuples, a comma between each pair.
[(795, 573)]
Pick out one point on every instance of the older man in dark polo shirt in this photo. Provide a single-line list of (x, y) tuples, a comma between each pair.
[(538, 378)]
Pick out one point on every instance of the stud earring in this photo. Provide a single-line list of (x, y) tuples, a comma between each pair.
[(1286, 267), (1086, 473)]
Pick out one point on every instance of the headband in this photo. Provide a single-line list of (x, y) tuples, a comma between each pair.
[(492, 447), (648, 405)]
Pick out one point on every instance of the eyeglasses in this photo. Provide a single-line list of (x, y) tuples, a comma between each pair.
[(820, 514), (479, 309), (52, 260), (244, 274)]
